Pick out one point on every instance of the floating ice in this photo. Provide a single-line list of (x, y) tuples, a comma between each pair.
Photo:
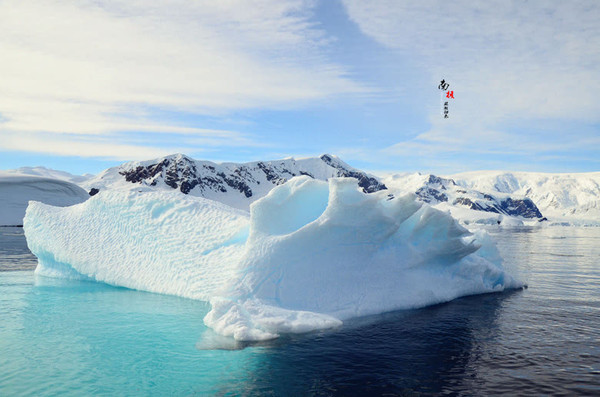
[(347, 254), (310, 255)]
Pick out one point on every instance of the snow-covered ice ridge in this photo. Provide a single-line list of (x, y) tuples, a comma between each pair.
[(17, 188), (309, 255), (467, 204), (235, 184), (569, 198), (564, 199)]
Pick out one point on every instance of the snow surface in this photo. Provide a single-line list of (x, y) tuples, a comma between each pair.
[(17, 189), (310, 255)]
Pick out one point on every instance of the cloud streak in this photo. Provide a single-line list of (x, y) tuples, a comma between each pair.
[(96, 67), (509, 62)]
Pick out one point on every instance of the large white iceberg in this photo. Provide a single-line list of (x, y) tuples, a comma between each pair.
[(310, 255)]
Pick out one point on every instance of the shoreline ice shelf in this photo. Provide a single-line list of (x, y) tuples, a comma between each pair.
[(17, 189), (309, 255)]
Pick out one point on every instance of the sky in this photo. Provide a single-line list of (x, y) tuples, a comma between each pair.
[(90, 84)]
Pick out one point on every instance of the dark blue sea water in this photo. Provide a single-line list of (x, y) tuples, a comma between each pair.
[(60, 337)]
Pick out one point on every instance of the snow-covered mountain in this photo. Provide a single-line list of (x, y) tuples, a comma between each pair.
[(467, 204), (17, 189), (473, 197), (234, 184), (572, 198)]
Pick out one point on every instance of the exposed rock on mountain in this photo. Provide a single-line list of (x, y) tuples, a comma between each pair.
[(235, 184), (563, 198), (447, 194)]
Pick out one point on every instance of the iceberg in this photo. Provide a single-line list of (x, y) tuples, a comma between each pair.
[(310, 254)]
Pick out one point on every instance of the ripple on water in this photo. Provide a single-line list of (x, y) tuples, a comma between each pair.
[(74, 338)]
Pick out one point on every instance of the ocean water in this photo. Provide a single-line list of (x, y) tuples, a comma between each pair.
[(61, 337)]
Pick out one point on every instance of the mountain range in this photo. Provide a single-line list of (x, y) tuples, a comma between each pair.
[(484, 197), (467, 204), (235, 184)]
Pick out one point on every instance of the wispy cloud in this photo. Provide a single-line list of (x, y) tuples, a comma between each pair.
[(83, 146), (96, 67), (506, 61)]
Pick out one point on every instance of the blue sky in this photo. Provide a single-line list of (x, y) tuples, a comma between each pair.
[(87, 85)]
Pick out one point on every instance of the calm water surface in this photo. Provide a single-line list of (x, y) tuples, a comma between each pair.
[(60, 337)]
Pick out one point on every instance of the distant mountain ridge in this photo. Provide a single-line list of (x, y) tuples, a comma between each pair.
[(49, 173), (476, 200), (473, 197)]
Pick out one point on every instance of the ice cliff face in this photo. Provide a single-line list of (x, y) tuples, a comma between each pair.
[(309, 255), (446, 194), (235, 184), (17, 189)]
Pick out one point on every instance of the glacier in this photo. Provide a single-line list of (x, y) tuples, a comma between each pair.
[(565, 198), (18, 188), (309, 255)]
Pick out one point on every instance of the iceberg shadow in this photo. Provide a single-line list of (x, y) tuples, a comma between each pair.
[(403, 352)]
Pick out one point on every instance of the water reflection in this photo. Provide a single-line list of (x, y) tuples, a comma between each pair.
[(425, 351), (72, 337), (14, 254)]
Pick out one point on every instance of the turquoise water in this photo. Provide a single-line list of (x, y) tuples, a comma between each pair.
[(82, 338), (64, 337)]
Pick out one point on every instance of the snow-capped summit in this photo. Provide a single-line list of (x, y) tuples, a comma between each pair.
[(235, 184)]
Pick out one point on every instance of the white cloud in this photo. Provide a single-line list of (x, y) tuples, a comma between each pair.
[(95, 67), (507, 62)]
